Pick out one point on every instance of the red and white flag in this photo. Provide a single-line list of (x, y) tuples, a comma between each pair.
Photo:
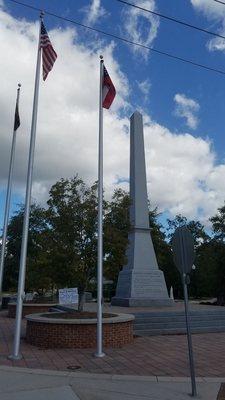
[(108, 89), (48, 53)]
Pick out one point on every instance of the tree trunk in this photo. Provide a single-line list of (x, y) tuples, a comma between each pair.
[(220, 300), (81, 301)]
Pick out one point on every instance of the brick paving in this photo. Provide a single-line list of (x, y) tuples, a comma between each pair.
[(156, 355)]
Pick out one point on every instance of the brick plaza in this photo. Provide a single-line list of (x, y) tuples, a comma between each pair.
[(147, 356)]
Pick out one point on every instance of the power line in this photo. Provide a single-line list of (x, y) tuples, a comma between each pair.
[(163, 53), (177, 21), (218, 1)]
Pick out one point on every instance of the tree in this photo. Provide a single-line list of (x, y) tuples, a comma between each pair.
[(218, 224), (72, 218), (62, 241), (37, 227), (116, 229), (218, 227), (195, 227), (164, 253), (207, 280), (198, 285)]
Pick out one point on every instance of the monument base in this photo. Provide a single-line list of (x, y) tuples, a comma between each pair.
[(141, 289), (144, 302)]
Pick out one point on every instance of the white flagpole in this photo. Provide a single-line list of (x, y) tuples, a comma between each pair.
[(23, 255), (99, 352), (8, 196)]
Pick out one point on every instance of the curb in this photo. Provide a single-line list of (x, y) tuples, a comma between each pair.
[(85, 375)]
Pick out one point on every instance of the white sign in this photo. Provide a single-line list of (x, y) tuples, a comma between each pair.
[(29, 296), (68, 296)]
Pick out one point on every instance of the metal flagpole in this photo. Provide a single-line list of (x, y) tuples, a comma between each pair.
[(190, 348), (99, 352), (8, 195), (22, 270)]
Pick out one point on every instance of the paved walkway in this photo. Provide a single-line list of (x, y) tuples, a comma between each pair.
[(148, 356), (21, 384), (152, 368)]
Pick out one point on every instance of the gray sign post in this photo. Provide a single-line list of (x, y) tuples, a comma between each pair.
[(184, 255)]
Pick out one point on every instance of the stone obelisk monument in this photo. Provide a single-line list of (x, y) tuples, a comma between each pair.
[(140, 283)]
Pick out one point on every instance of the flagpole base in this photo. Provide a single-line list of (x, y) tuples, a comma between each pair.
[(99, 355), (13, 357)]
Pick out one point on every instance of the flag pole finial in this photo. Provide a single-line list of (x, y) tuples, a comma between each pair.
[(42, 14), (101, 58), (18, 89)]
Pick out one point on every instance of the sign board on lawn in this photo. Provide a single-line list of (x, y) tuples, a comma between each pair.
[(68, 296), (29, 296)]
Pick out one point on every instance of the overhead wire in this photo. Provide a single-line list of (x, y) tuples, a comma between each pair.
[(219, 1), (157, 51), (172, 19)]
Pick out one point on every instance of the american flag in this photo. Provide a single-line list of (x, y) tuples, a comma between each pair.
[(108, 89), (48, 53)]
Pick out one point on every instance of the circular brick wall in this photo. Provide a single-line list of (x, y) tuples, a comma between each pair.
[(28, 309), (78, 333)]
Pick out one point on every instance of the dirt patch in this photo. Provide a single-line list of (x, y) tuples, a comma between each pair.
[(43, 300), (76, 315)]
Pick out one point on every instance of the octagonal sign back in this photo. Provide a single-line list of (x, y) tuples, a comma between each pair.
[(183, 249)]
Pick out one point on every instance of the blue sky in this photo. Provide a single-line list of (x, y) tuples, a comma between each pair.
[(183, 106)]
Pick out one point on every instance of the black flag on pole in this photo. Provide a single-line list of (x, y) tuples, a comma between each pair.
[(17, 118)]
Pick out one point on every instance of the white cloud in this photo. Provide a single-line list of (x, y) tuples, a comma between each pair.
[(94, 11), (181, 171), (144, 87), (215, 13), (67, 126), (141, 27), (211, 9), (218, 44), (187, 108)]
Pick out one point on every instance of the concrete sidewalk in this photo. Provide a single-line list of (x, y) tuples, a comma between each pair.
[(26, 384)]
